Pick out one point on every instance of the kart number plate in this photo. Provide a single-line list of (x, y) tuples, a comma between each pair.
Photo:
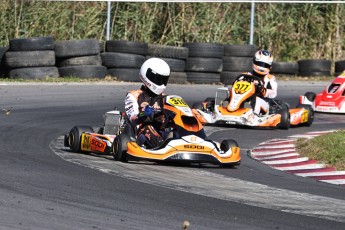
[(242, 87), (85, 142), (305, 116), (177, 101)]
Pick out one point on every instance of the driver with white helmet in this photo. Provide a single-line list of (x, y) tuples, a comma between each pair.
[(262, 64), (140, 104)]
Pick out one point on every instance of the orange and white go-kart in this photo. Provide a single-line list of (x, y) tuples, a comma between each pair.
[(187, 142), (232, 106)]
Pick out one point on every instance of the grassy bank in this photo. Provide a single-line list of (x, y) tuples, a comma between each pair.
[(328, 149)]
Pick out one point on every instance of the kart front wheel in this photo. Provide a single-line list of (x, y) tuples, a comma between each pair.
[(285, 117), (119, 147), (74, 137)]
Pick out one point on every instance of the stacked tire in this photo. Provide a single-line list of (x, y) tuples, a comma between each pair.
[(80, 58), (123, 59), (285, 68), (31, 58), (204, 63), (3, 70), (314, 67), (237, 59), (175, 57)]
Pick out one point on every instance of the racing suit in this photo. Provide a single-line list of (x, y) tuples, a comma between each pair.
[(269, 90), (148, 129)]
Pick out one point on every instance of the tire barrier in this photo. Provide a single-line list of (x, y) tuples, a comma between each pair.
[(236, 59), (204, 63), (123, 59), (314, 67), (31, 58), (199, 63)]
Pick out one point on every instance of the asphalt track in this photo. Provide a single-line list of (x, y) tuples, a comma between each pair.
[(45, 186)]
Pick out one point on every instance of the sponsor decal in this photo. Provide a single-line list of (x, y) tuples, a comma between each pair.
[(193, 147), (85, 142), (96, 144)]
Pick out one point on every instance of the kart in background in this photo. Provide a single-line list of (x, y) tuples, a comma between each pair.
[(187, 141), (232, 106), (330, 100)]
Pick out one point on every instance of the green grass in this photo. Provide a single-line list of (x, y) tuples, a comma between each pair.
[(327, 148)]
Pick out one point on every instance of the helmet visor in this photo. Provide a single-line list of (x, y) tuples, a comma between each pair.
[(261, 64), (156, 78)]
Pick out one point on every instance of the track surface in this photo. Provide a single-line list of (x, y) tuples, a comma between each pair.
[(42, 187)]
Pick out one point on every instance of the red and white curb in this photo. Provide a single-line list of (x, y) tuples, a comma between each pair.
[(281, 154)]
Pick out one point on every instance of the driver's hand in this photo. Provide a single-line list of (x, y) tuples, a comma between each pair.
[(156, 106), (148, 110)]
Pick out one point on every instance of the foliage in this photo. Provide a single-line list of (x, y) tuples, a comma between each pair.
[(327, 148), (291, 31)]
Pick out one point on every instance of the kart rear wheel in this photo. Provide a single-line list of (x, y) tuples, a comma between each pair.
[(74, 137), (119, 147), (310, 96), (285, 117), (310, 114)]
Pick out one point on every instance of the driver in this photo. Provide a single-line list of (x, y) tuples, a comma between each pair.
[(141, 104), (267, 87)]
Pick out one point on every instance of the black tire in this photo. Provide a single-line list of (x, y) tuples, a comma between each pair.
[(31, 44), (310, 96), (84, 60), (290, 68), (339, 66), (203, 78), (83, 71), (19, 59), (130, 47), (206, 50), (237, 50), (206, 65), (237, 64), (285, 117), (125, 74), (37, 73), (310, 114), (176, 65), (163, 51), (74, 136), (225, 145), (119, 147), (228, 77), (314, 66), (122, 60), (76, 48), (178, 78)]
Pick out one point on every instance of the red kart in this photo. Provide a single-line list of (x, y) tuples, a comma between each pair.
[(331, 100)]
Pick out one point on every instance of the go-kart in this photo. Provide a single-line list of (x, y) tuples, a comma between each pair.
[(330, 100), (233, 106), (187, 141)]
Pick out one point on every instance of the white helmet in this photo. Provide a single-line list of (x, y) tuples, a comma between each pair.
[(262, 62), (155, 73)]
